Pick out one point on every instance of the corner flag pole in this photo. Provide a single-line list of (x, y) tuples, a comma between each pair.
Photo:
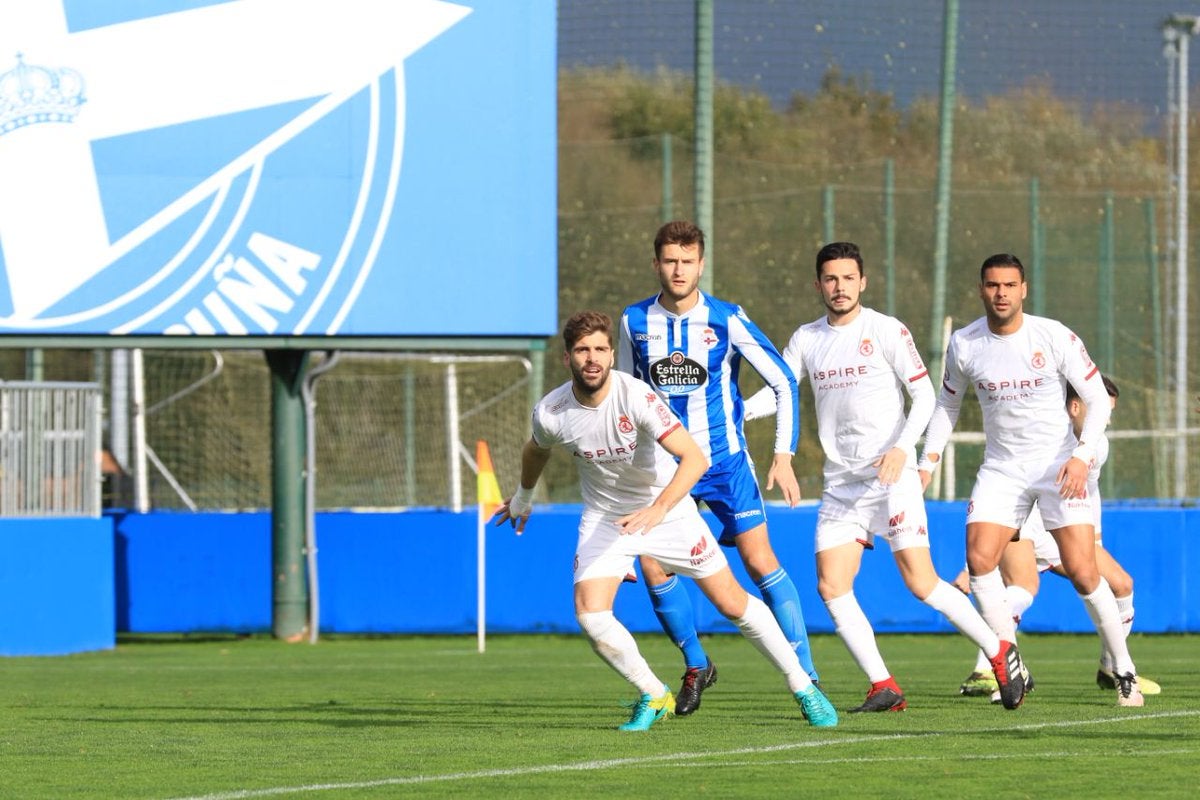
[(489, 500)]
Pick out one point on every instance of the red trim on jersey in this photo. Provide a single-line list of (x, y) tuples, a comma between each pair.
[(676, 427), (867, 545), (918, 377), (1095, 369), (946, 386)]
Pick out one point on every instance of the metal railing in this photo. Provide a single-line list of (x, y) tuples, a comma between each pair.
[(50, 451)]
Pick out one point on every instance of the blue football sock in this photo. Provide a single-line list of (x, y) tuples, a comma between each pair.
[(673, 607), (780, 595)]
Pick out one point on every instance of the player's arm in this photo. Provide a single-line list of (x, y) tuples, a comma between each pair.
[(756, 348), (517, 508), (691, 466), (944, 416), (910, 369), (763, 403), (626, 359), (1084, 376)]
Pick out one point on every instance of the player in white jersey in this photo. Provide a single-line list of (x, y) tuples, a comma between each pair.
[(860, 364), (689, 347), (611, 424), (1037, 552), (1019, 365)]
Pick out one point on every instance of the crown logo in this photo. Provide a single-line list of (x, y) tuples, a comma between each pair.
[(30, 94)]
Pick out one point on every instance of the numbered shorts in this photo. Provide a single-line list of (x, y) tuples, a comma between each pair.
[(1006, 494), (858, 512), (681, 543)]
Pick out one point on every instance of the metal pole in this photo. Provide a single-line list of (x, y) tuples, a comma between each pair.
[(1161, 454), (289, 595), (1181, 267), (941, 247), (704, 135), (1105, 287), (889, 233), (452, 438), (668, 195), (141, 467), (410, 436), (828, 211), (1036, 268)]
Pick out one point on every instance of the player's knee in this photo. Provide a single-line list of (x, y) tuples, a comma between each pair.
[(1121, 583), (594, 624)]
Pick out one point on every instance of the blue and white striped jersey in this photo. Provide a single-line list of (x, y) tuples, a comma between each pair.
[(692, 360)]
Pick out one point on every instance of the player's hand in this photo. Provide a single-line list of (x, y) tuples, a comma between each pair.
[(890, 465), (517, 517), (1072, 479), (781, 472), (926, 478), (641, 521)]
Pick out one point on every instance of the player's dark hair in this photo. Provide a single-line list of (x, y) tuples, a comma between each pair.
[(835, 250), (680, 232), (1002, 260), (585, 323), (1109, 387)]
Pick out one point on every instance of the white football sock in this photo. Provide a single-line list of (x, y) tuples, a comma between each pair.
[(955, 607), (992, 598), (1125, 607), (1019, 600), (856, 633), (758, 625), (1102, 608), (612, 642)]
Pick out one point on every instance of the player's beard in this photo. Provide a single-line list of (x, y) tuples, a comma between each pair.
[(837, 312), (587, 385)]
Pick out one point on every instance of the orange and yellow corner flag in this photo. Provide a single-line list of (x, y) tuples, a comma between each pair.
[(489, 488)]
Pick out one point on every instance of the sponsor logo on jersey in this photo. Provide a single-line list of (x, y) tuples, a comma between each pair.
[(677, 374), (611, 455), (647, 337), (913, 353)]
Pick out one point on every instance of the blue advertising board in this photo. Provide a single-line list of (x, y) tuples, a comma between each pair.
[(277, 168)]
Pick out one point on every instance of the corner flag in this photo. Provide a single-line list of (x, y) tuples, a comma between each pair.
[(489, 488), (489, 500)]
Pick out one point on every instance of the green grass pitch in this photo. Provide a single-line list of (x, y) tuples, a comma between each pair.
[(535, 716)]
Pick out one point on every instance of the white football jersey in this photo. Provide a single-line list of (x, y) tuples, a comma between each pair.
[(859, 373), (1020, 380), (613, 445)]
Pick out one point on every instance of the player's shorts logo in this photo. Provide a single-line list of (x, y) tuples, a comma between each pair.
[(677, 374)]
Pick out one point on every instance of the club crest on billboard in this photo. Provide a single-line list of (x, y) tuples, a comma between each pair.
[(222, 168)]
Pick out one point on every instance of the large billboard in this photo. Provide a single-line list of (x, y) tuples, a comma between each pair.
[(277, 168)]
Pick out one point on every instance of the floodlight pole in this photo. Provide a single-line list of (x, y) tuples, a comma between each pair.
[(703, 163), (1177, 32)]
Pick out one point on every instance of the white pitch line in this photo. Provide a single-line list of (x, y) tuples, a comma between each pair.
[(676, 758)]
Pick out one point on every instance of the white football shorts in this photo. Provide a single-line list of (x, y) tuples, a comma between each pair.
[(681, 543), (1006, 496), (860, 511)]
